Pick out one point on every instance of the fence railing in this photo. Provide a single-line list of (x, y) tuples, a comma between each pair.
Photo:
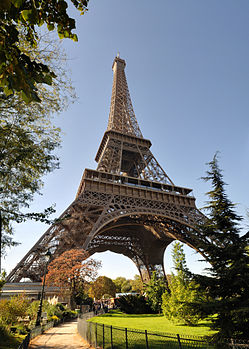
[(36, 331), (25, 342), (112, 337)]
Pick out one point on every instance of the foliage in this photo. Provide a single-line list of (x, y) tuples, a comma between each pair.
[(134, 304), (20, 73), (55, 312), (2, 280), (11, 312), (127, 285), (181, 292), (227, 284), (8, 340), (179, 262), (137, 284), (28, 138), (175, 302), (11, 309), (82, 296), (102, 285), (119, 282), (154, 290), (70, 271)]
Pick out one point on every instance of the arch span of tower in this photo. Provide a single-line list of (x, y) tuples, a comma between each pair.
[(143, 237), (153, 217), (134, 241)]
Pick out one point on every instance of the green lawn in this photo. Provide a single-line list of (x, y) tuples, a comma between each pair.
[(152, 323), (161, 333)]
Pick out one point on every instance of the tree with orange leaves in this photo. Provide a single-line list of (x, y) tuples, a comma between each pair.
[(71, 271)]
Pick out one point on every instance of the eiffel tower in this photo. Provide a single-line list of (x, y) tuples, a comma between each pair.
[(128, 205)]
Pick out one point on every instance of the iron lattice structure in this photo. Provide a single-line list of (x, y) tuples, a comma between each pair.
[(128, 205)]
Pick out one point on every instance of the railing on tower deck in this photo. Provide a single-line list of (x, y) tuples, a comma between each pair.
[(142, 183)]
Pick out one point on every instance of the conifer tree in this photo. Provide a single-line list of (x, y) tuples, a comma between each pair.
[(182, 291), (154, 290), (228, 280)]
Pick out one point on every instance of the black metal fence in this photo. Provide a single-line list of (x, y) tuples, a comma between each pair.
[(112, 337), (36, 331), (25, 342)]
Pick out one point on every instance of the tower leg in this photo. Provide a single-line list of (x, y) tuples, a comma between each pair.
[(150, 263)]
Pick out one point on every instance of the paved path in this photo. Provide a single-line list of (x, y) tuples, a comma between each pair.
[(61, 337)]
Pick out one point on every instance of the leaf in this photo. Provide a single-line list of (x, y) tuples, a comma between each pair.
[(30, 16), (66, 34), (47, 79), (17, 3), (61, 35), (50, 26), (26, 14), (7, 91), (25, 97), (75, 37)]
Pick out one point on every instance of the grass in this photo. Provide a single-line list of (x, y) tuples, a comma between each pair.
[(161, 332), (153, 323)]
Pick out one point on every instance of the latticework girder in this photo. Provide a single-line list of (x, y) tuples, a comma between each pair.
[(122, 117), (128, 205)]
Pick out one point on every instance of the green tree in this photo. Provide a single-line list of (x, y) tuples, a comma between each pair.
[(103, 285), (126, 286), (154, 290), (119, 282), (181, 292), (179, 262), (2, 280), (19, 72), (137, 284), (28, 138), (227, 283)]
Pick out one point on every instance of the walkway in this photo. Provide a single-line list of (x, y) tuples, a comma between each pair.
[(62, 337)]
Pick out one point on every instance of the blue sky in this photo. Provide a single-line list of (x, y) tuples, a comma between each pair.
[(188, 76)]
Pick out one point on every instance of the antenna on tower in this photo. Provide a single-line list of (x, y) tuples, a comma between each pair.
[(118, 54)]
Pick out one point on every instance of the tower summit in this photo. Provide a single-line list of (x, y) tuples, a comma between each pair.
[(127, 205), (122, 117)]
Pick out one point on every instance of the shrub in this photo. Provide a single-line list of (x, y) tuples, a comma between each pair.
[(11, 310), (176, 303), (59, 311), (134, 305)]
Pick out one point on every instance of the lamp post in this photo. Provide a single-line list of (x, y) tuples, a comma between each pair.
[(39, 312)]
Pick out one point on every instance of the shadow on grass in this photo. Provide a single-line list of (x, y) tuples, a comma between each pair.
[(201, 323), (116, 313)]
